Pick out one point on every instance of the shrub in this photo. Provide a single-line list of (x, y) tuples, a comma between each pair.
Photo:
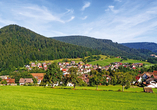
[(119, 90), (107, 84), (30, 84)]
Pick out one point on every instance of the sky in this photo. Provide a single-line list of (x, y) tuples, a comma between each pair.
[(121, 21)]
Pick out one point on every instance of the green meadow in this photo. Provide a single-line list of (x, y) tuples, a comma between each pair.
[(40, 98), (111, 60)]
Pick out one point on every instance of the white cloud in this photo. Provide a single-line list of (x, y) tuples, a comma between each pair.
[(70, 19), (86, 5), (69, 11), (84, 18), (131, 26), (118, 0), (38, 13), (111, 8)]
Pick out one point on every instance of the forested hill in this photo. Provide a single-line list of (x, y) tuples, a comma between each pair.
[(142, 45), (19, 45), (106, 46)]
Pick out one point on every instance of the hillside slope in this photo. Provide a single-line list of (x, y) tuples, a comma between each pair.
[(19, 45), (142, 45), (106, 46)]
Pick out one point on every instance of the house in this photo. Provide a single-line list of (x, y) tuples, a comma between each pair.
[(152, 84), (4, 77), (138, 79), (146, 75), (148, 90), (40, 66), (67, 63), (9, 81), (70, 84), (72, 62), (23, 81), (45, 68), (155, 74), (38, 76), (85, 78), (28, 67), (59, 63), (108, 78), (33, 64)]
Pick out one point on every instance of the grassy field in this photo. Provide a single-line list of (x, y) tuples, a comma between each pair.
[(33, 98), (110, 60), (105, 62)]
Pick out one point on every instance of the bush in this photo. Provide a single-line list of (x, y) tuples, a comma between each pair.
[(119, 90), (30, 84)]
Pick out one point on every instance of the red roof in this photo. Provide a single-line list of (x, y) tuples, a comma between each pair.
[(155, 74), (133, 67), (137, 77), (64, 69), (9, 80), (38, 75)]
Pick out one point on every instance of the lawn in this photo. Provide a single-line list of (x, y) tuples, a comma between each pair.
[(33, 98)]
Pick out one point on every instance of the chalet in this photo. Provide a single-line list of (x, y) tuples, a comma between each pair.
[(147, 75), (85, 78), (152, 84), (28, 67), (63, 63), (70, 84), (23, 81), (72, 62), (45, 68), (139, 79), (137, 64), (4, 77), (108, 78), (155, 74), (148, 90), (59, 63), (38, 76), (44, 65), (9, 81), (67, 63), (33, 64)]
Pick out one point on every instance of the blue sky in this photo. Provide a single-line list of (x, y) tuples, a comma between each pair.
[(119, 20)]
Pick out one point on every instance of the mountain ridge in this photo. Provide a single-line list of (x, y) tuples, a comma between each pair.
[(105, 45), (142, 45)]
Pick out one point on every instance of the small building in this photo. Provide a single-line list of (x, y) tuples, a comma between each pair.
[(33, 64), (38, 76), (23, 81), (148, 90), (4, 77), (9, 81)]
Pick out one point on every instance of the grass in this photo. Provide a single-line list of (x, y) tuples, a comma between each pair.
[(108, 88), (111, 60), (135, 61), (105, 62), (32, 98)]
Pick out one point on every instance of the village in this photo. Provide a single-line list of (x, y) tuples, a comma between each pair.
[(149, 79)]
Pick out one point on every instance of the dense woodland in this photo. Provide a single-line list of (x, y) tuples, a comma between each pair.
[(106, 46), (142, 45), (19, 46)]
